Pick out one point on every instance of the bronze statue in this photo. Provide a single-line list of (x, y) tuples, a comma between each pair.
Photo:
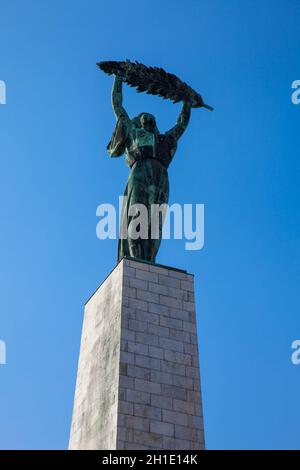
[(148, 152)]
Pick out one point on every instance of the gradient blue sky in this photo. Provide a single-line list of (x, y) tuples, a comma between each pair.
[(242, 162)]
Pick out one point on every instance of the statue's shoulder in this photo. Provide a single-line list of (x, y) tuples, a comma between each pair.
[(168, 141), (169, 138), (117, 145)]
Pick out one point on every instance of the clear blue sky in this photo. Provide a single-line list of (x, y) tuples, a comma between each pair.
[(242, 162)]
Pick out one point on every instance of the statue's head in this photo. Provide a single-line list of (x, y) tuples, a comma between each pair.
[(146, 121)]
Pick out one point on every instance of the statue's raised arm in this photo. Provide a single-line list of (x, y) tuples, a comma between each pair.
[(117, 100), (117, 144), (182, 122)]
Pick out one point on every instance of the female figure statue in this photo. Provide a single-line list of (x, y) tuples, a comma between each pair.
[(148, 153)]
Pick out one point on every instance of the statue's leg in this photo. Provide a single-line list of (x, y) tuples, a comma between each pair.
[(136, 193), (147, 184), (159, 196), (123, 246)]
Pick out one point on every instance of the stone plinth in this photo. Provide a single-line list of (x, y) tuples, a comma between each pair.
[(138, 384)]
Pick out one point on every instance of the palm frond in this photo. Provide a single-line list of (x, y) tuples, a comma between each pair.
[(154, 81)]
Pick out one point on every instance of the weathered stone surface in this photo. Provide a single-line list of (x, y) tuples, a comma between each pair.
[(94, 423), (138, 384)]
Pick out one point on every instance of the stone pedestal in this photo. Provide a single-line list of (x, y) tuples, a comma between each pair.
[(138, 384)]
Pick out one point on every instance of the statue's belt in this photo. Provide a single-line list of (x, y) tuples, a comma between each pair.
[(143, 159), (138, 155)]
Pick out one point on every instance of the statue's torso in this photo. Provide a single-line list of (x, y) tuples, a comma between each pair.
[(139, 137), (142, 144)]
